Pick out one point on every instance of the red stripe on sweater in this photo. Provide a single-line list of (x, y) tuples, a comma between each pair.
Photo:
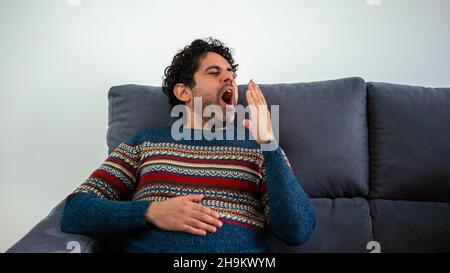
[(122, 163), (112, 181), (240, 224), (263, 187), (204, 161), (201, 181)]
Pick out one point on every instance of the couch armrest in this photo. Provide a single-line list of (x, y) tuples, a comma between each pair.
[(47, 237)]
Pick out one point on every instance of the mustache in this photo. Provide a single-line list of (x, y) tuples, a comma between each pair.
[(226, 85)]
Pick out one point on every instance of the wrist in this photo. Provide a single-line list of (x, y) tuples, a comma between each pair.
[(269, 146), (267, 139), (150, 214)]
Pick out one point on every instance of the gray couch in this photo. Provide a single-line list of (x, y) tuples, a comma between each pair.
[(373, 157)]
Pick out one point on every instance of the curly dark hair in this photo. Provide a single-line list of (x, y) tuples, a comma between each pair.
[(187, 61)]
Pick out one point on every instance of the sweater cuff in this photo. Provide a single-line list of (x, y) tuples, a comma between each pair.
[(135, 217), (270, 146), (274, 153)]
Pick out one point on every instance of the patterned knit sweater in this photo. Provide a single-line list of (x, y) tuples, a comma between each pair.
[(254, 191)]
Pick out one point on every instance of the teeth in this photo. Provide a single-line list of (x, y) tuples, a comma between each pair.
[(228, 88), (227, 96)]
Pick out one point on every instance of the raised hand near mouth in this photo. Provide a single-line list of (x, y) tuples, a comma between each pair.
[(259, 123)]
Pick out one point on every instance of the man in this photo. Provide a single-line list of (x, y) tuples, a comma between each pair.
[(191, 194)]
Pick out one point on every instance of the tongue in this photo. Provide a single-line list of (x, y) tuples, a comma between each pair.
[(226, 97)]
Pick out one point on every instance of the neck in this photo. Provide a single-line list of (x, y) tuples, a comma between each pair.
[(195, 121)]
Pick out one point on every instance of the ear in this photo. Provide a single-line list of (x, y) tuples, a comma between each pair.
[(182, 92)]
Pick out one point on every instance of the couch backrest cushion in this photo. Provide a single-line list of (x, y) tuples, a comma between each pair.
[(323, 128), (134, 107), (409, 142)]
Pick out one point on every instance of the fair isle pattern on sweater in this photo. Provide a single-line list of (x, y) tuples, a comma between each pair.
[(235, 176), (232, 179)]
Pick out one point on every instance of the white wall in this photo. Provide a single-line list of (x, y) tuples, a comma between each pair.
[(58, 60)]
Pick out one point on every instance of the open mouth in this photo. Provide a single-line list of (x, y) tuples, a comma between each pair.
[(227, 96)]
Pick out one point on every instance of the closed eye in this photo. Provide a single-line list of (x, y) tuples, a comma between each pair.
[(217, 73)]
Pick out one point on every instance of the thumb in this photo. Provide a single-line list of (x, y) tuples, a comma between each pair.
[(195, 197)]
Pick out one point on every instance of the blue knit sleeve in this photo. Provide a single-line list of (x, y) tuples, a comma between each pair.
[(288, 209), (91, 215), (102, 204)]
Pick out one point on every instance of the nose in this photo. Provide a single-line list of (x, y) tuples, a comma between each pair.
[(229, 77)]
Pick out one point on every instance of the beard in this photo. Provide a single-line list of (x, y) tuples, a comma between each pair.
[(220, 118)]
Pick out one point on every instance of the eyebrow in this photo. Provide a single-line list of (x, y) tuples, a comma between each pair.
[(218, 68)]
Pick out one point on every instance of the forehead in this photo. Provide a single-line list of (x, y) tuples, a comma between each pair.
[(213, 58)]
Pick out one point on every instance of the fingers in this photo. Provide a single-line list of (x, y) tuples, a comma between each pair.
[(250, 94), (201, 225), (206, 210), (202, 218), (259, 93), (193, 230), (207, 219), (254, 110), (184, 214), (255, 93), (194, 197), (259, 123)]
